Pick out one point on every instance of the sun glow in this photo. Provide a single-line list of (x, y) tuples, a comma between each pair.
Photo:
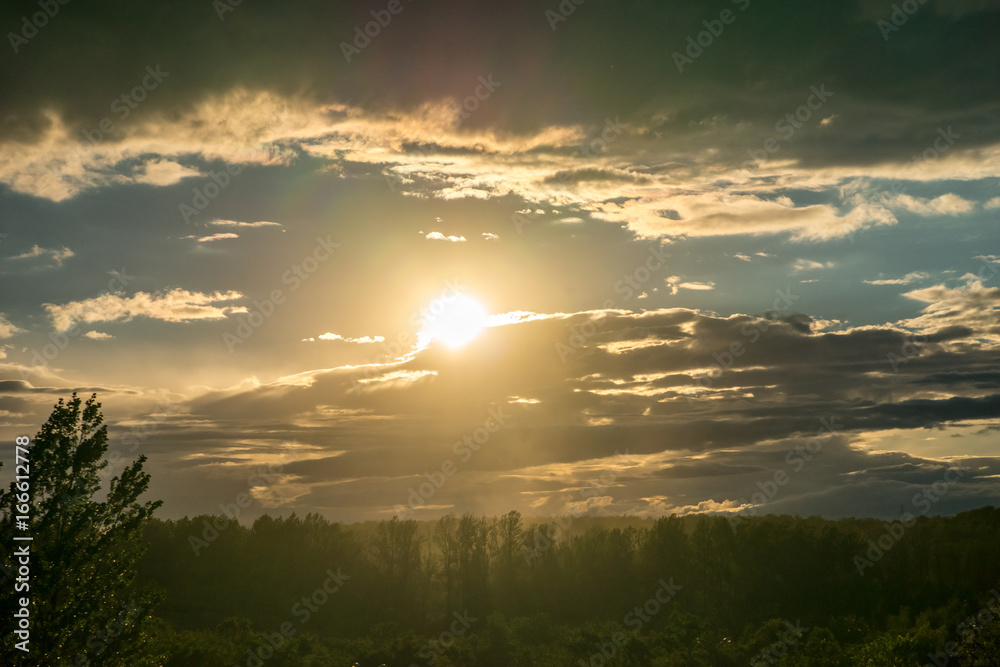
[(454, 323)]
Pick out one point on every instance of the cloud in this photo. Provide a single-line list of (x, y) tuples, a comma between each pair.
[(98, 335), (270, 129), (363, 340), (972, 305), (438, 236), (669, 161), (56, 255), (905, 280), (610, 159), (454, 165), (947, 204), (643, 378), (989, 259), (163, 173), (235, 127), (221, 236), (676, 283), (7, 329), (176, 305), (800, 265), (235, 223), (487, 236)]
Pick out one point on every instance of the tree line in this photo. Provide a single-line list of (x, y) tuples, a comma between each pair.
[(696, 590)]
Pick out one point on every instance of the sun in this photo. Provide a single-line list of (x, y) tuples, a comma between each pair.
[(454, 322)]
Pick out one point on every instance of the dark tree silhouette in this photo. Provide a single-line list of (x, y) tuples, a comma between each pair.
[(85, 607)]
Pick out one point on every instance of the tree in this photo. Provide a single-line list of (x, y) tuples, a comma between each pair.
[(85, 607)]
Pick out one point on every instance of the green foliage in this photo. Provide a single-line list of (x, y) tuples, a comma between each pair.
[(85, 607), (774, 590)]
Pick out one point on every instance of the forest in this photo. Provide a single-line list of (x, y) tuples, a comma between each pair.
[(473, 590)]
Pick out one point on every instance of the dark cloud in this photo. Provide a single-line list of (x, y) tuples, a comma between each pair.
[(608, 58), (650, 211), (588, 408)]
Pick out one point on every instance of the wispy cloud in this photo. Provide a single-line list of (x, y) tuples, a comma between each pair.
[(57, 255), (221, 236), (905, 280), (237, 223), (947, 204), (6, 328), (438, 236), (973, 305), (176, 305), (363, 340), (164, 172), (800, 265), (676, 283)]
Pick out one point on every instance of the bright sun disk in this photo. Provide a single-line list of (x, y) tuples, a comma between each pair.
[(454, 323)]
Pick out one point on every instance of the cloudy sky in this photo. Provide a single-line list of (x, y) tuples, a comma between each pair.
[(422, 257)]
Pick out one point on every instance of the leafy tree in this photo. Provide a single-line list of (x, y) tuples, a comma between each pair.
[(85, 608)]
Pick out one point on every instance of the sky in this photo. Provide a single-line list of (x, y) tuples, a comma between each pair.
[(413, 258)]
